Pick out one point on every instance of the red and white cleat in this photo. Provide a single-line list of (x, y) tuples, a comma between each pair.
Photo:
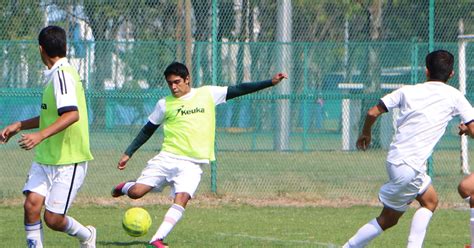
[(159, 244)]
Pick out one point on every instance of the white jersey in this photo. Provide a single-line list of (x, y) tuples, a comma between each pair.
[(425, 110), (219, 94)]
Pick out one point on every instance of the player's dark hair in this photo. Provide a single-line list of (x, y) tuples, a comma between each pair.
[(440, 65), (177, 69), (53, 41)]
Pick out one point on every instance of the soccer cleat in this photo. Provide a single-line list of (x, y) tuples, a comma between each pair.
[(117, 190), (158, 244), (90, 243), (467, 246)]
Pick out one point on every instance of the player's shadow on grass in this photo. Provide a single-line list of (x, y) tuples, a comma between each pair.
[(115, 243)]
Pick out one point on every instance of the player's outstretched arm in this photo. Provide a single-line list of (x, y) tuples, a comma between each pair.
[(247, 88), (364, 139), (14, 128), (143, 136)]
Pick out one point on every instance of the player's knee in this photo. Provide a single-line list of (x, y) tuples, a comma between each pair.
[(54, 221), (431, 203), (387, 222), (465, 188), (32, 206)]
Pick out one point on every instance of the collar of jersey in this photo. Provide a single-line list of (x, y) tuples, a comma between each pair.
[(435, 82), (60, 62), (189, 95)]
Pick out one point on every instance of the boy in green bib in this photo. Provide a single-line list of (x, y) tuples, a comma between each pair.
[(189, 120), (61, 144)]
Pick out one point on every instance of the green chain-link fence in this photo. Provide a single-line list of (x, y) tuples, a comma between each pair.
[(296, 140)]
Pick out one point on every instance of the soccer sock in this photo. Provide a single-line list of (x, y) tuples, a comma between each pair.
[(471, 220), (472, 226), (364, 235), (419, 224), (171, 218), (34, 234), (76, 229), (126, 187)]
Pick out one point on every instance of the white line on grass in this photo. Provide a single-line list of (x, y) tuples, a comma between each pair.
[(273, 239)]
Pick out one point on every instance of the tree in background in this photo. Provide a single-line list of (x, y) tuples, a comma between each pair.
[(20, 20)]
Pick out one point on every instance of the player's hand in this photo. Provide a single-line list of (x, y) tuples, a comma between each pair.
[(278, 77), (9, 131), (123, 162), (29, 141), (462, 129), (363, 142)]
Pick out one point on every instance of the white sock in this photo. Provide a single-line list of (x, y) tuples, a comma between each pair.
[(172, 217), (364, 235), (76, 229), (472, 226), (126, 187), (34, 234), (419, 224)]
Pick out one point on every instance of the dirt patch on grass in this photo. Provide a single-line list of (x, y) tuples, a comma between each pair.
[(217, 200)]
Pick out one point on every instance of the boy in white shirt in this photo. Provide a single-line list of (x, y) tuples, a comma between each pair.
[(425, 111)]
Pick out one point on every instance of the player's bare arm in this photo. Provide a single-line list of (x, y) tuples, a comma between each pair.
[(10, 131), (145, 133), (364, 139), (29, 141), (16, 127)]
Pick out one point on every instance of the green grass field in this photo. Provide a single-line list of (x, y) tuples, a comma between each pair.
[(246, 226)]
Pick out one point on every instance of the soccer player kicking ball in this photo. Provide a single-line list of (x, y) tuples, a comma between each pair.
[(62, 146), (425, 110), (188, 118)]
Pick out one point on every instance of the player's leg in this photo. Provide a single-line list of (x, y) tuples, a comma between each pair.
[(466, 191), (131, 189), (387, 218), (152, 175), (185, 183), (32, 219), (66, 183), (396, 194), (428, 200), (171, 218), (35, 190)]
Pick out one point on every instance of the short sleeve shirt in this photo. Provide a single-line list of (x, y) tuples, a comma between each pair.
[(425, 111), (63, 85)]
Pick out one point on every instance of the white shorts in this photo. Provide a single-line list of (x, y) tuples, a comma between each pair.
[(59, 184), (404, 185), (181, 175)]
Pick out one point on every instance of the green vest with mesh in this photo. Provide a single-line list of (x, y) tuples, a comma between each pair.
[(71, 145), (189, 126)]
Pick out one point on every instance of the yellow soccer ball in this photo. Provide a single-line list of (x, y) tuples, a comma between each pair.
[(136, 222)]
